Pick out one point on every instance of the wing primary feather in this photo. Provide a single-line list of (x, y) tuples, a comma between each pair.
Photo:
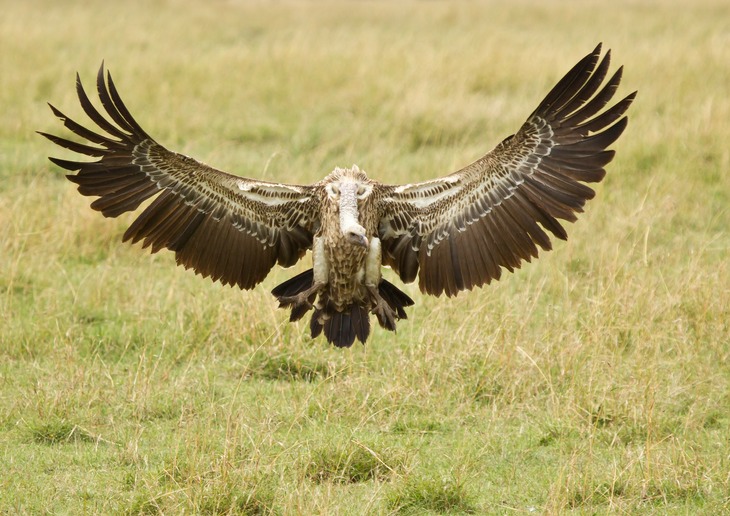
[(100, 184), (74, 146), (588, 89), (600, 141), (572, 121), (126, 116), (590, 175), (533, 216), (564, 90), (552, 193), (608, 117), (158, 236), (94, 115), (106, 101), (81, 131), (149, 218), (67, 165), (192, 222), (521, 225), (165, 234), (127, 198)]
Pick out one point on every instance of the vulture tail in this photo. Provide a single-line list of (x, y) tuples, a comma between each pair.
[(341, 328)]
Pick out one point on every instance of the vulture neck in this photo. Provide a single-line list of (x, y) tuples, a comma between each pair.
[(349, 214)]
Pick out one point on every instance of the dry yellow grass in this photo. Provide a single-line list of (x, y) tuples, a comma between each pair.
[(596, 379)]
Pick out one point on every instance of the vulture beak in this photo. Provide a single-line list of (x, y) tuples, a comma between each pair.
[(358, 239)]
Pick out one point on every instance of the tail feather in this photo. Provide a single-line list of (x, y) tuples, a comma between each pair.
[(316, 325), (360, 322), (295, 285), (341, 328)]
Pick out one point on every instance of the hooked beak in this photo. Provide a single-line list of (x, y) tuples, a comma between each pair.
[(358, 239)]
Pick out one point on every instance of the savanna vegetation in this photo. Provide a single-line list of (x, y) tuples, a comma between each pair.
[(594, 380)]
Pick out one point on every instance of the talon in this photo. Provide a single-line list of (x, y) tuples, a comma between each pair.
[(383, 312), (299, 299), (385, 316), (300, 303)]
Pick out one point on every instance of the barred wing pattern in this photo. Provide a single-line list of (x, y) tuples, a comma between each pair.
[(227, 227), (460, 230)]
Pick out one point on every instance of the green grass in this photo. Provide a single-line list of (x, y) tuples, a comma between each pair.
[(594, 380), (419, 496)]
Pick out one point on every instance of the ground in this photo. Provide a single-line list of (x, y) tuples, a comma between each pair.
[(595, 379)]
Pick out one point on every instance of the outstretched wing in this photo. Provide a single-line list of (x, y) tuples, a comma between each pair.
[(230, 228), (461, 230)]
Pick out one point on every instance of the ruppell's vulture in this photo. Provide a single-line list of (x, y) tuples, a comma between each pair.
[(453, 233)]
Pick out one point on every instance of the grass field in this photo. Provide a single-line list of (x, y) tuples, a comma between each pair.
[(594, 380)]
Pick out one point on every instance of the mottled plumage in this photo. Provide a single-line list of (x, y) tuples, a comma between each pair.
[(453, 233)]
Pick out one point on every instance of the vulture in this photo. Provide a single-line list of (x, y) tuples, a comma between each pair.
[(453, 233)]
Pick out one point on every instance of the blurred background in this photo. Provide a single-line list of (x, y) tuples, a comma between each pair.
[(595, 379)]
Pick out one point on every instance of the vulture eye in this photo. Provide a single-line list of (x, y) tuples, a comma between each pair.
[(363, 191), (333, 190)]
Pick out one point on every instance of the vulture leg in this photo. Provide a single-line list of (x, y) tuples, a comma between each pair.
[(382, 309), (298, 293), (389, 303), (302, 302)]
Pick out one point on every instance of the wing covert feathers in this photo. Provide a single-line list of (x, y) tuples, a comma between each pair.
[(460, 231), (226, 227)]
